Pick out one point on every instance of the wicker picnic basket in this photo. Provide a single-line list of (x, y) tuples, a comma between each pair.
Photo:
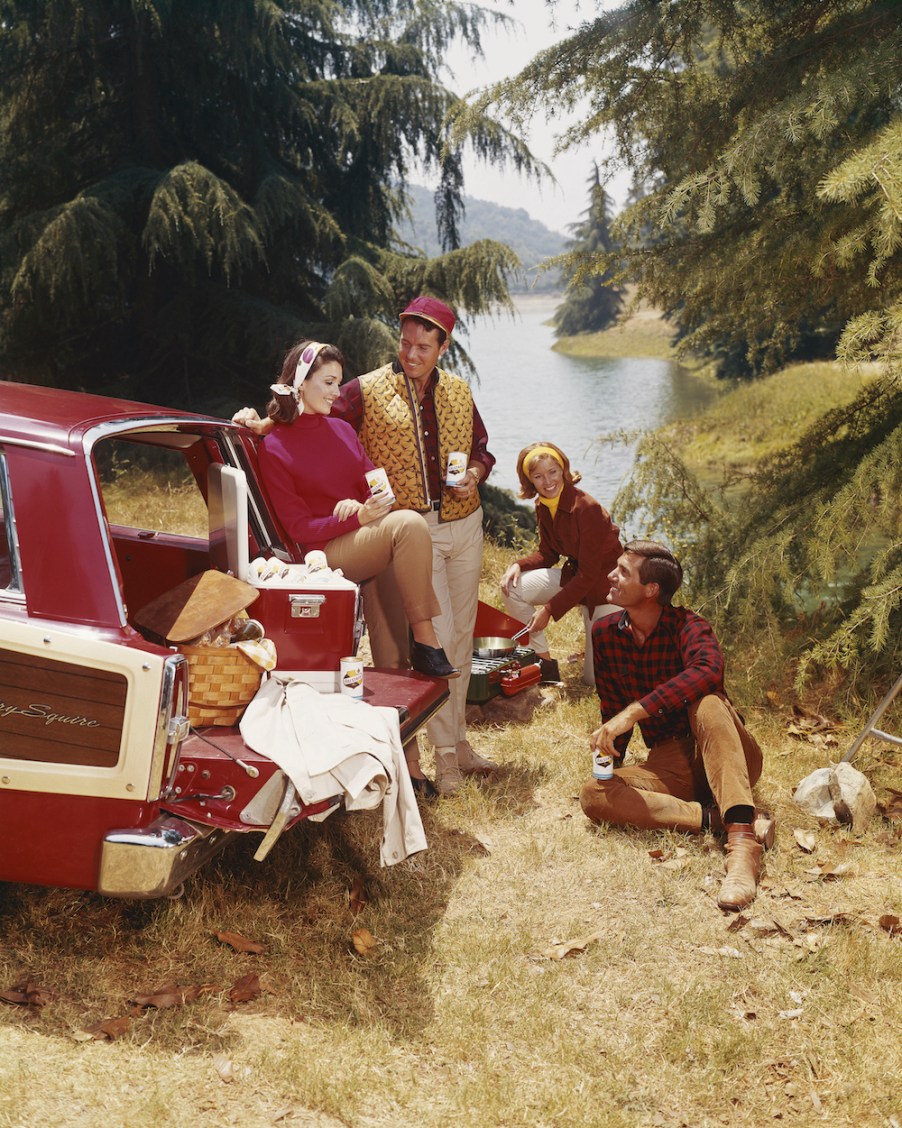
[(222, 681)]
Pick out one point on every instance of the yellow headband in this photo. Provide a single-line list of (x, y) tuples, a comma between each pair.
[(541, 452)]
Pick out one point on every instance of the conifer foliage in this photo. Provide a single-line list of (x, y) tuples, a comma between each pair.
[(591, 303), (769, 139), (187, 187)]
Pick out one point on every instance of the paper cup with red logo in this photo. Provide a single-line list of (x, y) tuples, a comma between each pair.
[(378, 483), (350, 677), (457, 467)]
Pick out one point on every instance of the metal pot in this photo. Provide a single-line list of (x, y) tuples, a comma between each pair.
[(494, 646)]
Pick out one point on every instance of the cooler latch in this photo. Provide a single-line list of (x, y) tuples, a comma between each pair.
[(306, 606)]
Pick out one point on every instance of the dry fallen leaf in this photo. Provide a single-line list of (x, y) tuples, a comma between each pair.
[(732, 953), (806, 721), (174, 996), (806, 839), (241, 943), (810, 942), (15, 998), (27, 995), (829, 872), (833, 918), (110, 1028), (560, 950), (224, 1067), (245, 989), (891, 806), (891, 924), (167, 997), (365, 943), (358, 898), (762, 926)]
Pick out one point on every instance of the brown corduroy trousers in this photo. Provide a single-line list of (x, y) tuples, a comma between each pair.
[(720, 761)]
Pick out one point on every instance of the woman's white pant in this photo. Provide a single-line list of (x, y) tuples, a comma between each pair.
[(535, 589)]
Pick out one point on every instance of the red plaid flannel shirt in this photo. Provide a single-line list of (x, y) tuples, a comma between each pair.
[(679, 663)]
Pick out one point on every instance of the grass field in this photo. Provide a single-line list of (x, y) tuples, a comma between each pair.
[(753, 420), (642, 333), (528, 968)]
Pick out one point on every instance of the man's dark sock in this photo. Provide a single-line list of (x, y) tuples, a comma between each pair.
[(739, 814)]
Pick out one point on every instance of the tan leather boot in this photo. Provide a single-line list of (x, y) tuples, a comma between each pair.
[(471, 763), (742, 864), (764, 826), (448, 778)]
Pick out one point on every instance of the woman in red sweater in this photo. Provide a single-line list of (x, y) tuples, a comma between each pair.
[(314, 469), (572, 525)]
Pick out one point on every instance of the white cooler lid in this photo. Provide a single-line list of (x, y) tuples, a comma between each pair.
[(228, 530)]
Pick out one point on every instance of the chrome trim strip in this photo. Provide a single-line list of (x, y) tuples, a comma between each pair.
[(166, 731), (14, 587), (125, 427), (32, 444)]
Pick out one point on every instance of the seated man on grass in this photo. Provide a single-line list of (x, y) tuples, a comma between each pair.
[(661, 667)]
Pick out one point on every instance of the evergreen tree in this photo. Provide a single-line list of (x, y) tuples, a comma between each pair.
[(591, 302), (187, 186), (770, 135)]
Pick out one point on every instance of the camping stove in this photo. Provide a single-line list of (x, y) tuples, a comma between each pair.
[(485, 675)]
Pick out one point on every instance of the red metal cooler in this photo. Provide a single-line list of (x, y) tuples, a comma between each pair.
[(312, 622), (312, 627)]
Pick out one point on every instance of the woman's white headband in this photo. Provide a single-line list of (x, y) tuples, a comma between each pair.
[(305, 362)]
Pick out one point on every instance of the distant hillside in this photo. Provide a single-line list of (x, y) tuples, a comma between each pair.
[(532, 241)]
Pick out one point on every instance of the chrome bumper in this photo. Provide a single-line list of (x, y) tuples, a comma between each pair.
[(154, 861)]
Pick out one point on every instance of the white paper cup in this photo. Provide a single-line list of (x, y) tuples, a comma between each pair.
[(378, 483), (602, 765), (316, 560), (457, 467), (350, 677)]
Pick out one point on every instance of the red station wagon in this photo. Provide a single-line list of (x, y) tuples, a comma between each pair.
[(106, 505)]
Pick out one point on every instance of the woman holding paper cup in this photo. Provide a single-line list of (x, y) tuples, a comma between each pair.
[(315, 471), (573, 526)]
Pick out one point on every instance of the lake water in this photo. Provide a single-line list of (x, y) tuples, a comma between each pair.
[(527, 393)]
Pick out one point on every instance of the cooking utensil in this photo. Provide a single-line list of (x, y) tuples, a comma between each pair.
[(494, 646)]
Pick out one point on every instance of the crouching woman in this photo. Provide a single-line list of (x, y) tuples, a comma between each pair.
[(574, 527)]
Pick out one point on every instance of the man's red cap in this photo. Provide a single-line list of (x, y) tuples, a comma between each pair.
[(431, 309)]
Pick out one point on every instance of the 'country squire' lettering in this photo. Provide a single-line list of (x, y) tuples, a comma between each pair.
[(45, 713)]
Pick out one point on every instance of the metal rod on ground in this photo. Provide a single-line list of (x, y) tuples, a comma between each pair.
[(870, 730)]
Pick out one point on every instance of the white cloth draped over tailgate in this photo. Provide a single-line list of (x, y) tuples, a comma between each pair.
[(331, 744)]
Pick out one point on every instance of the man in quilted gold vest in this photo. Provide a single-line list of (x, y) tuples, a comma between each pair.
[(410, 414)]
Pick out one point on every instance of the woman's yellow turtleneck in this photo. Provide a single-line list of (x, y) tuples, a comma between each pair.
[(551, 502)]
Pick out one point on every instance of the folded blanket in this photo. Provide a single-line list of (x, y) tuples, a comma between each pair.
[(331, 744)]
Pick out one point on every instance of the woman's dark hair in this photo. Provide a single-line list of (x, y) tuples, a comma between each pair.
[(284, 409), (659, 566), (527, 489)]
